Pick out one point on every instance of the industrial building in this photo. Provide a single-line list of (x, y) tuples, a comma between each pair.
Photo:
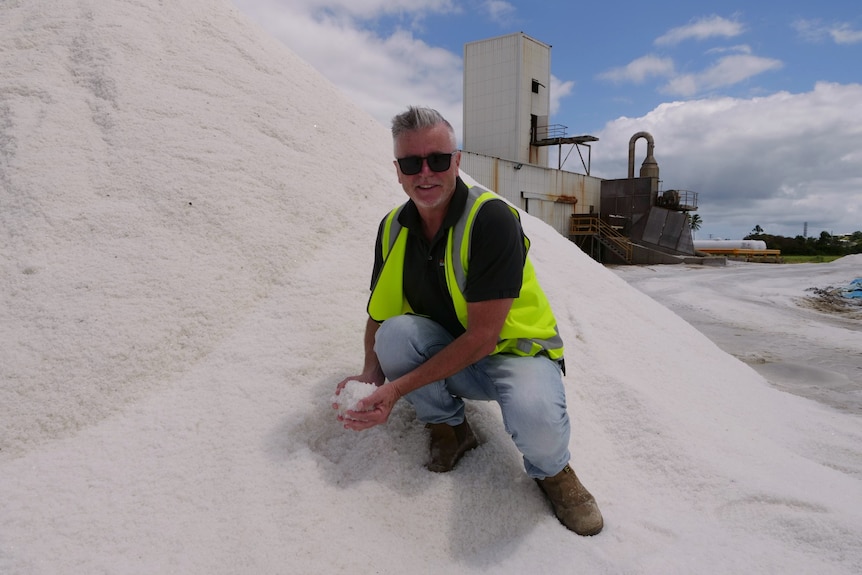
[(506, 139)]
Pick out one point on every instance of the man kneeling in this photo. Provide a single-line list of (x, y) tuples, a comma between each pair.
[(456, 312)]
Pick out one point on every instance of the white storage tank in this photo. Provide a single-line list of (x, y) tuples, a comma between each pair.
[(729, 245)]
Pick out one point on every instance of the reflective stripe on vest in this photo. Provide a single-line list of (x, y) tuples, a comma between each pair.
[(530, 327)]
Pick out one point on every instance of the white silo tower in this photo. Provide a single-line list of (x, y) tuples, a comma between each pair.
[(506, 98)]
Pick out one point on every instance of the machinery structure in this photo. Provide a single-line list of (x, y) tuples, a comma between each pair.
[(507, 134), (636, 223)]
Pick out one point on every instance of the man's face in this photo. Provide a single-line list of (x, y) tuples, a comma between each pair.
[(428, 189)]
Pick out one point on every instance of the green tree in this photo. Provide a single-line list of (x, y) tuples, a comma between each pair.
[(694, 222), (824, 245)]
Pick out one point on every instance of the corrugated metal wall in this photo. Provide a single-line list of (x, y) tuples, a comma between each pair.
[(548, 194)]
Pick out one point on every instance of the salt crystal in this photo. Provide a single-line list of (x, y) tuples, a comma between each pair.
[(351, 393)]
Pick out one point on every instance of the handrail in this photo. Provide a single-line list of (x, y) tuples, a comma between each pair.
[(593, 225), (551, 131)]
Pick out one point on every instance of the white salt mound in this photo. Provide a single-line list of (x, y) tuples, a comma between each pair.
[(350, 395)]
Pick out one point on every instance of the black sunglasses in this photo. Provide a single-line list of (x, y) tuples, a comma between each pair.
[(412, 165)]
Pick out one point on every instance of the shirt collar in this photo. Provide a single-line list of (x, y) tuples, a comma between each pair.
[(410, 219)]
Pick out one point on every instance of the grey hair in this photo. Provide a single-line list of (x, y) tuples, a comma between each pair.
[(417, 118)]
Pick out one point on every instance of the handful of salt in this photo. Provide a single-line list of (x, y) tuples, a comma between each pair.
[(351, 393)]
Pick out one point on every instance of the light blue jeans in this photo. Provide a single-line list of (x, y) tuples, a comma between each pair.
[(529, 390)]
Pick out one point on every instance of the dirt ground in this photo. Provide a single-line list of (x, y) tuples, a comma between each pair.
[(831, 299)]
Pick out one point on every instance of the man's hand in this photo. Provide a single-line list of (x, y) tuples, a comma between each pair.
[(373, 410)]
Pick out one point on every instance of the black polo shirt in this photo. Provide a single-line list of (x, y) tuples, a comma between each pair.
[(496, 265)]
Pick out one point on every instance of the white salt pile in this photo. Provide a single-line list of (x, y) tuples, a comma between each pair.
[(350, 395), (187, 223)]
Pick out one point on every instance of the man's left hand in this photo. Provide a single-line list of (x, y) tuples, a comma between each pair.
[(373, 410)]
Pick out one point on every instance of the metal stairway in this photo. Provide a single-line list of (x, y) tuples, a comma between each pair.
[(604, 233)]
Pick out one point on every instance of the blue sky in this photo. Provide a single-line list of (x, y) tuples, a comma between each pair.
[(756, 106)]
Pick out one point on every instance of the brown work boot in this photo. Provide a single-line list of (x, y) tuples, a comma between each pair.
[(573, 505), (448, 444)]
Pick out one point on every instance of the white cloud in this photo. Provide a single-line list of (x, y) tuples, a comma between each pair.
[(810, 30), (559, 90), (783, 159), (815, 31), (499, 11), (844, 34), (380, 74), (639, 70), (700, 29), (727, 71), (738, 49)]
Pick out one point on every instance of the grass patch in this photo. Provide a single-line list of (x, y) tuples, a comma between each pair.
[(808, 259)]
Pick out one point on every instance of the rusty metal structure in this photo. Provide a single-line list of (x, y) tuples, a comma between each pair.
[(636, 223), (506, 138)]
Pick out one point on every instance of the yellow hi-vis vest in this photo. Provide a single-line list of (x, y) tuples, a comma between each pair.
[(530, 327)]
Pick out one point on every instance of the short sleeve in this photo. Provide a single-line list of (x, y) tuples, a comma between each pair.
[(497, 254)]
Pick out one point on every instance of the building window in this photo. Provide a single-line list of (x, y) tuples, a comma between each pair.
[(536, 85)]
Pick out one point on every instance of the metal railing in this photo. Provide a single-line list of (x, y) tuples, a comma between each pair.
[(684, 200), (550, 132), (606, 233)]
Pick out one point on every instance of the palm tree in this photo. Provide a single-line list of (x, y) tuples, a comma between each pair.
[(694, 222)]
